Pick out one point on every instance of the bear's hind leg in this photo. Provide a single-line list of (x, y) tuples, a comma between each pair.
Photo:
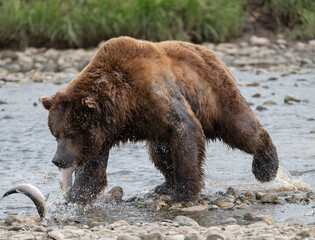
[(161, 156), (243, 131)]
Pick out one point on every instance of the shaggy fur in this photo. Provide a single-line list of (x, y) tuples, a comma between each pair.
[(173, 95)]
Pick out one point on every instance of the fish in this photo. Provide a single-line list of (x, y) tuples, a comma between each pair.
[(33, 193)]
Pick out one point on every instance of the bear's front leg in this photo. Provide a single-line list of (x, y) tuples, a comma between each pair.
[(187, 150), (90, 180)]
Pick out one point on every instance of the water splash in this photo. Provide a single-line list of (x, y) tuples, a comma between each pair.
[(286, 182)]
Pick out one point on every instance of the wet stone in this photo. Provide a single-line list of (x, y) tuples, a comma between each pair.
[(250, 195), (270, 198), (229, 220), (185, 221), (269, 102), (226, 205), (291, 98), (261, 108), (231, 191), (256, 95), (251, 216)]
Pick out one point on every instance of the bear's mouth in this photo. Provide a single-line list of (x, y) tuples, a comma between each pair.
[(66, 180)]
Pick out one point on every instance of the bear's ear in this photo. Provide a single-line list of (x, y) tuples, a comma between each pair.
[(47, 102), (90, 102)]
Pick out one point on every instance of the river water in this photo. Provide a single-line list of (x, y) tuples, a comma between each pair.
[(27, 147)]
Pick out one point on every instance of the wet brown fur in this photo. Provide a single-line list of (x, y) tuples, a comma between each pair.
[(174, 95)]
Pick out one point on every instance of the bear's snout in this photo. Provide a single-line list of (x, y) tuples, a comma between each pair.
[(58, 162)]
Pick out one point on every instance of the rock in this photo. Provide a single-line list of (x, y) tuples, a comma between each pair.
[(8, 54), (252, 84), (255, 217), (194, 209), (259, 195), (250, 195), (214, 236), (175, 207), (310, 213), (281, 41), (231, 191), (256, 95), (10, 219), (114, 195), (39, 229), (272, 79), (312, 232), (291, 98), (259, 41), (301, 46), (55, 234), (186, 221), (303, 234), (269, 220), (126, 237), (293, 222), (270, 198), (229, 220), (213, 207), (261, 108), (266, 86), (269, 102), (311, 43), (118, 224), (152, 236), (161, 203), (226, 205)]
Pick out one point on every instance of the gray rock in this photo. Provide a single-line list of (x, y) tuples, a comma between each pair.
[(261, 108), (232, 191), (186, 221), (250, 195), (39, 229), (259, 41), (215, 236), (270, 198), (126, 237), (256, 95), (229, 220), (255, 217), (152, 236), (55, 234)]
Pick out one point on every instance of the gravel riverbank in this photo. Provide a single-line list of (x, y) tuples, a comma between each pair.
[(181, 228), (58, 66)]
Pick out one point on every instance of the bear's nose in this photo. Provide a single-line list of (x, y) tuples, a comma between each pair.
[(57, 161)]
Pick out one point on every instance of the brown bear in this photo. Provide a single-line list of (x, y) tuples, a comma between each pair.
[(173, 95)]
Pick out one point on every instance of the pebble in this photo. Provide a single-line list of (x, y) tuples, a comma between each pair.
[(269, 102), (55, 234), (270, 198), (194, 209), (226, 205), (291, 98), (261, 108), (186, 221), (251, 216)]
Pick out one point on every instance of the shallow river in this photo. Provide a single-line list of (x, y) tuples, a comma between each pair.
[(27, 147)]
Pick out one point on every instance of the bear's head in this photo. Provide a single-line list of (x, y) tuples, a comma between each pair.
[(77, 123)]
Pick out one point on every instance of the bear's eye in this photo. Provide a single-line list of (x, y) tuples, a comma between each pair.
[(70, 136)]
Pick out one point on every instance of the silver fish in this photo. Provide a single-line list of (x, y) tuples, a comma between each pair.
[(33, 193)]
